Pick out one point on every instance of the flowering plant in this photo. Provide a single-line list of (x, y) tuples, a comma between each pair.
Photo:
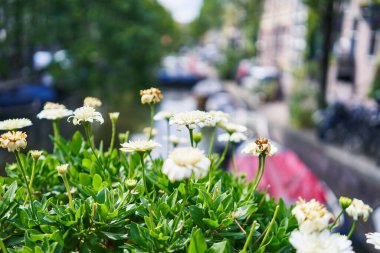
[(83, 198)]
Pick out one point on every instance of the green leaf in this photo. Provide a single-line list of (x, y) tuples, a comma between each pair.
[(85, 179), (76, 143), (211, 223), (115, 236), (197, 242), (97, 182), (219, 247)]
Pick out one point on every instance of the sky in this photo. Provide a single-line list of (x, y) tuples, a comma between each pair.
[(183, 11)]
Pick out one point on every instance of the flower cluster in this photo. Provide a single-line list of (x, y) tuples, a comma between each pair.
[(313, 234), (86, 114), (152, 95), (54, 111), (183, 162), (311, 216), (191, 119), (13, 140), (92, 102), (261, 146), (163, 115), (358, 209), (139, 146), (14, 124)]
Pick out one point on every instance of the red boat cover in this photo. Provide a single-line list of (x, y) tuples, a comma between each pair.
[(286, 175)]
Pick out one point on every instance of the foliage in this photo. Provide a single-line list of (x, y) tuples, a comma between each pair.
[(110, 45), (302, 102), (111, 216), (375, 87)]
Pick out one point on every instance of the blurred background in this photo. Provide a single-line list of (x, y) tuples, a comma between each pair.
[(305, 73)]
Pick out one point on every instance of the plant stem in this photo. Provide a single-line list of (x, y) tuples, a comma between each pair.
[(223, 156), (68, 191), (33, 172), (352, 229), (212, 140), (270, 226), (249, 238), (56, 132), (112, 135), (235, 170), (87, 131), (17, 154), (143, 171), (187, 191), (151, 120), (336, 220), (191, 136), (2, 246), (260, 170)]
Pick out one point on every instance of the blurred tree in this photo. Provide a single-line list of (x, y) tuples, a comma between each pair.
[(109, 45), (319, 37)]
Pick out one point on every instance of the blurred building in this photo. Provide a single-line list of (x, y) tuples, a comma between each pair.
[(356, 50), (282, 33)]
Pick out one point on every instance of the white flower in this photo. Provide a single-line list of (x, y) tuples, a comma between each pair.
[(53, 111), (139, 146), (163, 115), (152, 95), (62, 169), (86, 114), (191, 119), (374, 238), (218, 117), (183, 162), (323, 242), (260, 146), (114, 115), (92, 102), (311, 216), (14, 124), (358, 209), (175, 140), (232, 127), (13, 141), (235, 137)]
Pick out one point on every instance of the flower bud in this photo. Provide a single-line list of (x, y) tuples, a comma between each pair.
[(131, 183), (62, 169), (197, 137), (35, 154), (114, 116), (345, 202), (123, 137)]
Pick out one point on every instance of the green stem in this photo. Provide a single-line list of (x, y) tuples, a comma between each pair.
[(2, 246), (143, 171), (221, 159), (249, 238), (113, 135), (33, 172), (261, 171), (235, 170), (191, 136), (352, 229), (187, 191), (24, 176), (270, 226), (336, 220), (212, 140), (87, 131), (151, 120), (56, 132), (65, 181)]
